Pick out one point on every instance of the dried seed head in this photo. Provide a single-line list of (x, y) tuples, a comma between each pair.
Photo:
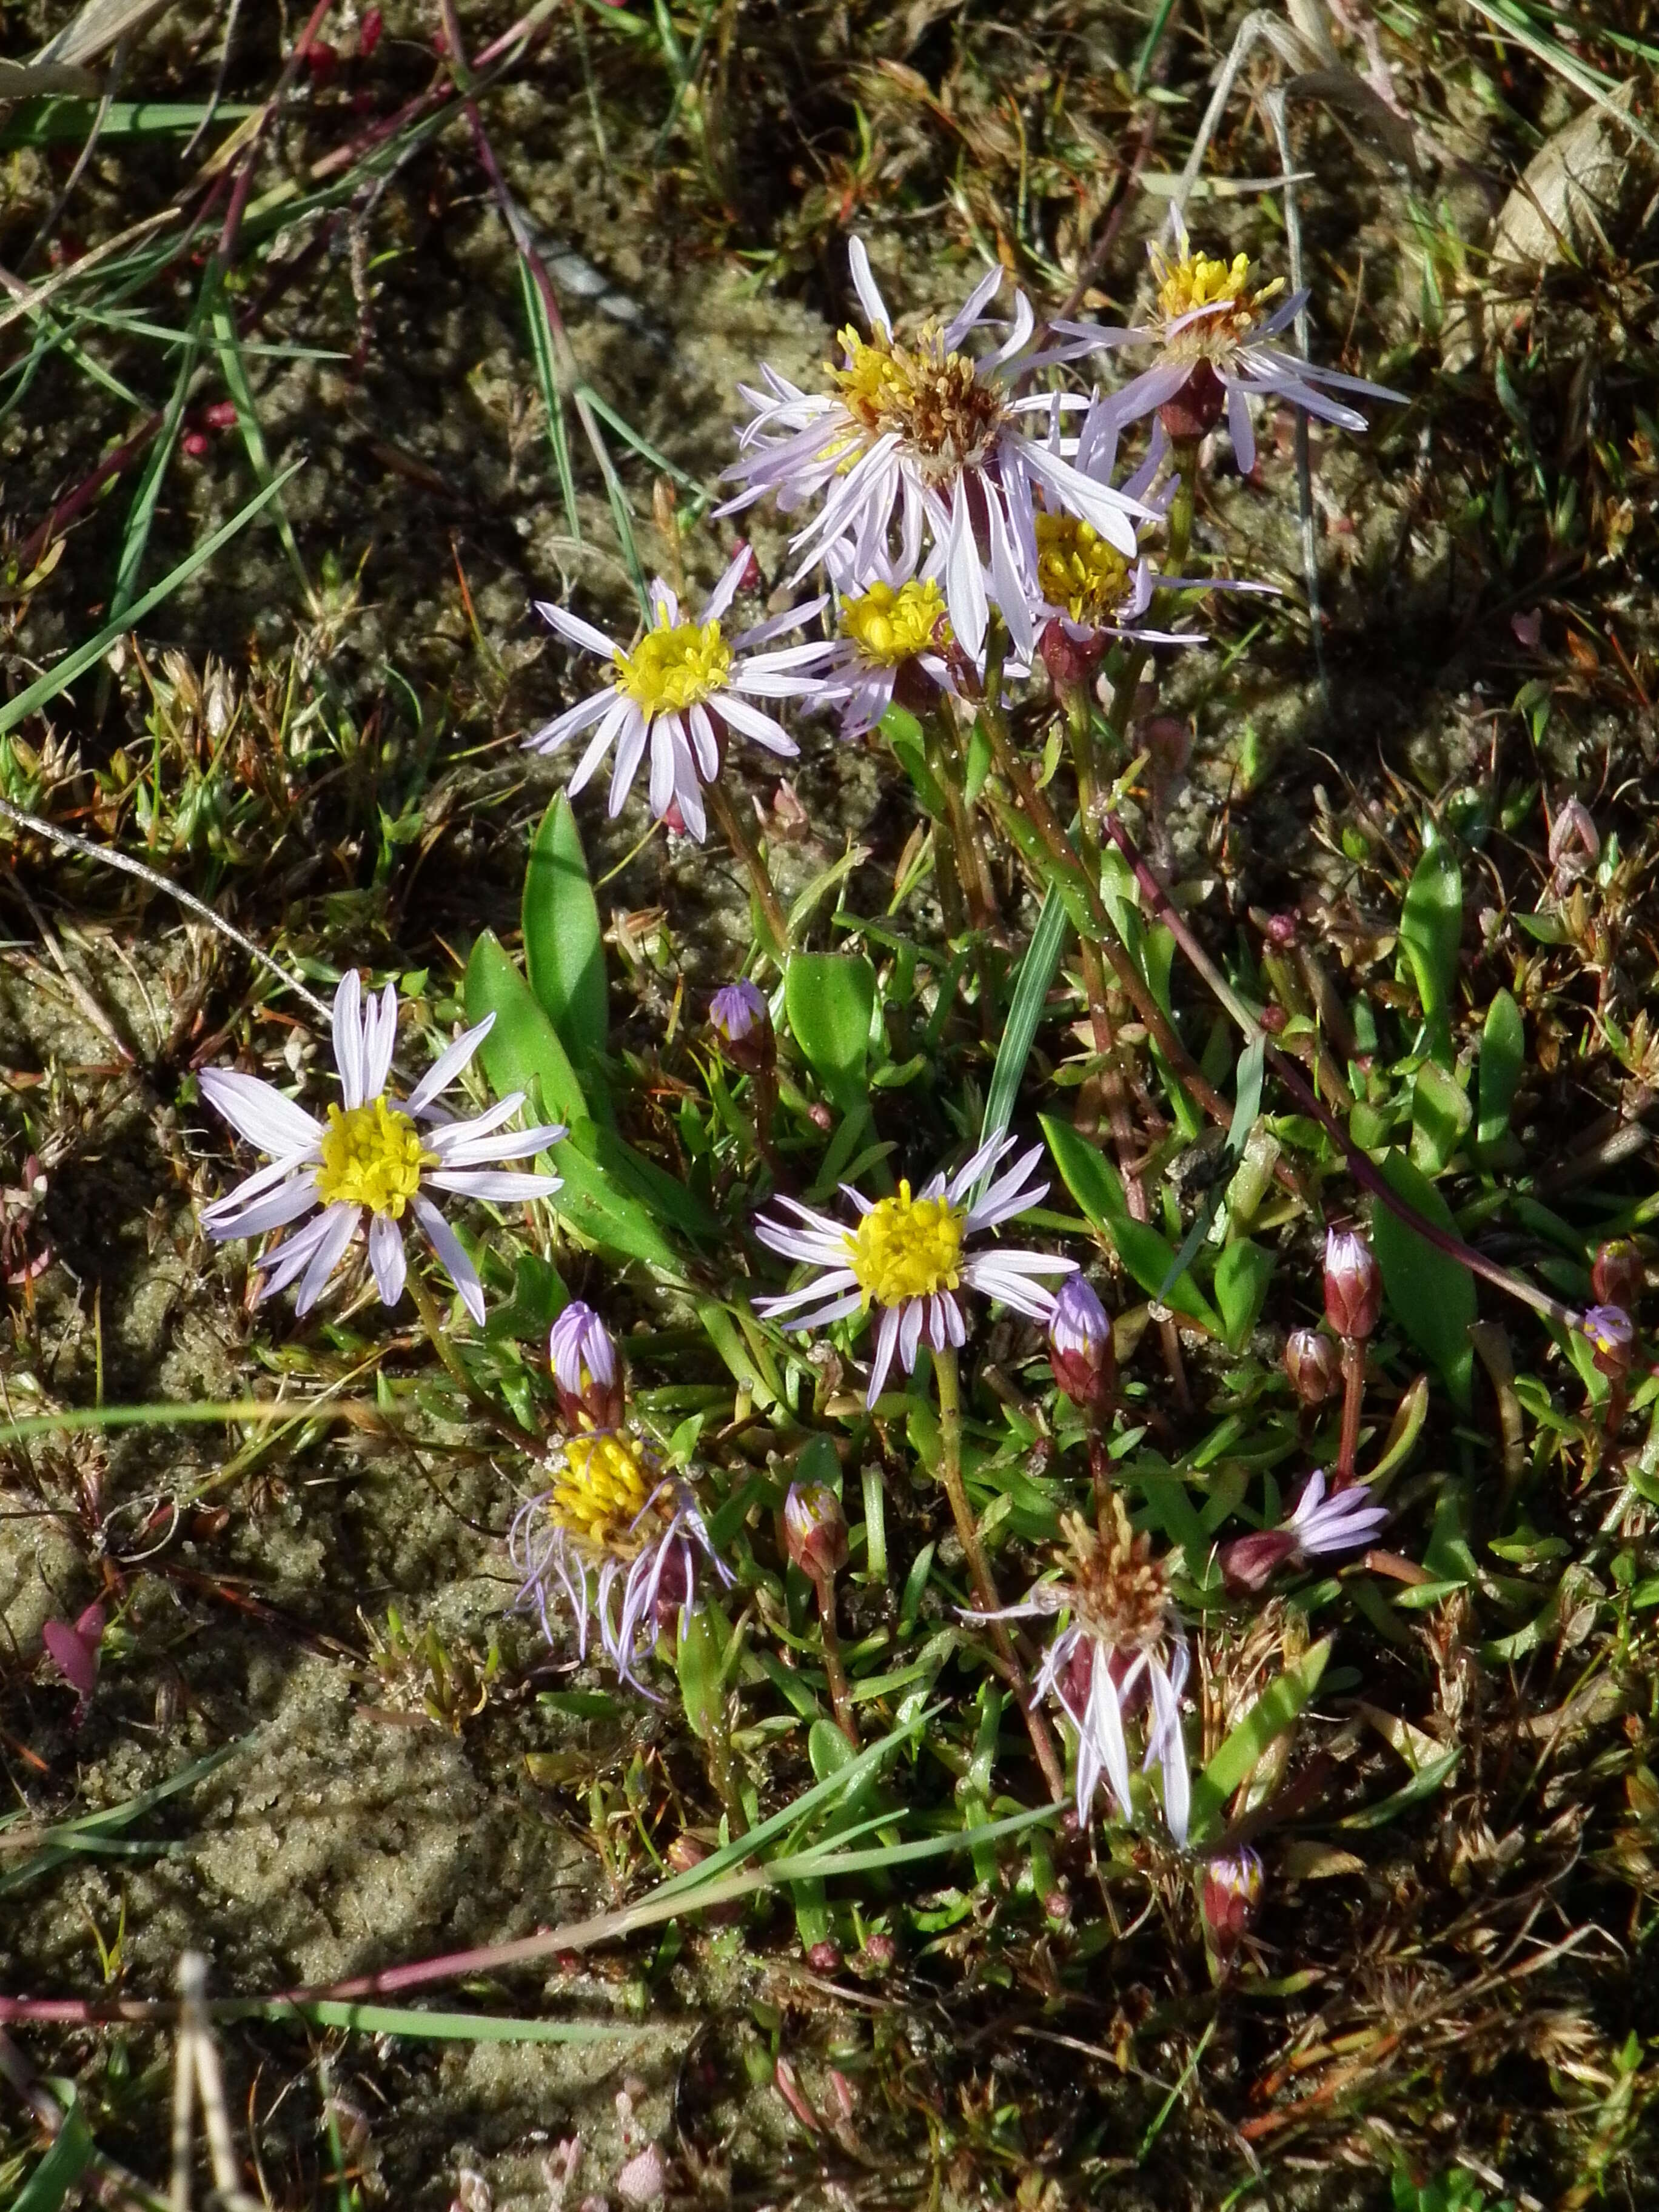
[(1119, 1591)]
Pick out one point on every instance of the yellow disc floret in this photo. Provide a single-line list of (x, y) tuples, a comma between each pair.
[(1077, 570), (1194, 282), (674, 666), (934, 400), (600, 1492), (371, 1156), (891, 626), (907, 1248)]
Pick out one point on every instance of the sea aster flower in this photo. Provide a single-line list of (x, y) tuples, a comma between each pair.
[(587, 1372), (892, 628), (909, 1256), (619, 1540), (679, 689), (923, 437), (1210, 328), (1121, 1651), (1322, 1527), (373, 1161)]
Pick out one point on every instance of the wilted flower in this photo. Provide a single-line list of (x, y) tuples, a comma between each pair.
[(1314, 1363), (373, 1160), (619, 1539), (815, 1529), (1081, 1351), (1231, 1893), (909, 1256), (1123, 1651), (585, 1369), (679, 690), (922, 436), (1209, 327), (1353, 1284), (1322, 1527)]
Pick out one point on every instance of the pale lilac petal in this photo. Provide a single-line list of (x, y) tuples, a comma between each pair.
[(628, 759), (282, 1206), (448, 1065), (911, 1313), (447, 1246), (1240, 429), (340, 1225), (349, 1037), (276, 1270), (379, 1041), (886, 1343), (968, 315), (753, 724), (551, 735), (726, 590), (257, 1111), (493, 1183), (578, 631), (387, 1258), (870, 299)]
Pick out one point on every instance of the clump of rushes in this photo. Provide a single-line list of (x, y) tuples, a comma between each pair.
[(815, 1536), (375, 1159), (1353, 1304), (618, 1539)]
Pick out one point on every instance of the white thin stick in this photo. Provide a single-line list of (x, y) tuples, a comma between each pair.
[(1276, 106), (184, 2079), (113, 858)]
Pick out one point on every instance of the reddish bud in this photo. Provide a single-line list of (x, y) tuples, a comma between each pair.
[(879, 1952), (1314, 1364), (1249, 1562), (1081, 1352), (1231, 1894), (815, 1530), (684, 1853), (824, 1958), (1168, 742), (220, 415), (321, 60), (1618, 1273), (1070, 660), (195, 443), (1197, 407), (1280, 932), (1353, 1284), (369, 34)]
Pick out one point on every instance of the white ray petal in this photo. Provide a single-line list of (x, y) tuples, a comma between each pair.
[(259, 1113)]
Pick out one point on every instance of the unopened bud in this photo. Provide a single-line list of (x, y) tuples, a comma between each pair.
[(1197, 407), (740, 1018), (586, 1369), (815, 1529), (824, 1958), (1618, 1273), (879, 1952), (1249, 1562), (1575, 844), (1612, 1334), (686, 1852), (1232, 1891), (1353, 1284), (1081, 1348), (1070, 660), (1280, 932), (1314, 1364)]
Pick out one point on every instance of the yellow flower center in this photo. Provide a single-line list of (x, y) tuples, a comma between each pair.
[(1077, 569), (889, 626), (601, 1490), (907, 1248), (1196, 281), (673, 667), (371, 1156), (934, 400)]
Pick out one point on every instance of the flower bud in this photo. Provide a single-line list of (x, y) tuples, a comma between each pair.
[(1070, 660), (1249, 1562), (1618, 1273), (1081, 1348), (586, 1369), (815, 1529), (1612, 1334), (1231, 1894), (1197, 407), (1353, 1284), (1575, 844), (1314, 1364), (740, 1018)]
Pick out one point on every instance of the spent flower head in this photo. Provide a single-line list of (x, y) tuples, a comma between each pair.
[(375, 1159), (619, 1540), (677, 691), (908, 1256), (920, 438)]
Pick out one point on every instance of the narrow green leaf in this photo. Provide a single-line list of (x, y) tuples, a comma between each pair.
[(1429, 1293), (564, 939), (522, 1051), (1424, 1783), (1148, 1256), (1036, 974), (1503, 1056), (1241, 1276), (1430, 930), (1273, 1712), (830, 998), (434, 2026), (48, 2187), (233, 369)]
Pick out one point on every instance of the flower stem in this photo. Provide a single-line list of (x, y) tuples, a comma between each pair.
[(840, 1696), (741, 839), (433, 1323), (1353, 1393), (985, 1589)]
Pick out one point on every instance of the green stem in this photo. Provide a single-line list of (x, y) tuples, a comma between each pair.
[(840, 1696), (433, 1323), (985, 1589), (740, 838)]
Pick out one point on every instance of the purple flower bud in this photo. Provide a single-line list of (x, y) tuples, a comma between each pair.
[(1612, 1334), (585, 1369), (1618, 1273), (815, 1529), (1232, 1891), (1353, 1284), (736, 1009), (1314, 1364), (1081, 1348)]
